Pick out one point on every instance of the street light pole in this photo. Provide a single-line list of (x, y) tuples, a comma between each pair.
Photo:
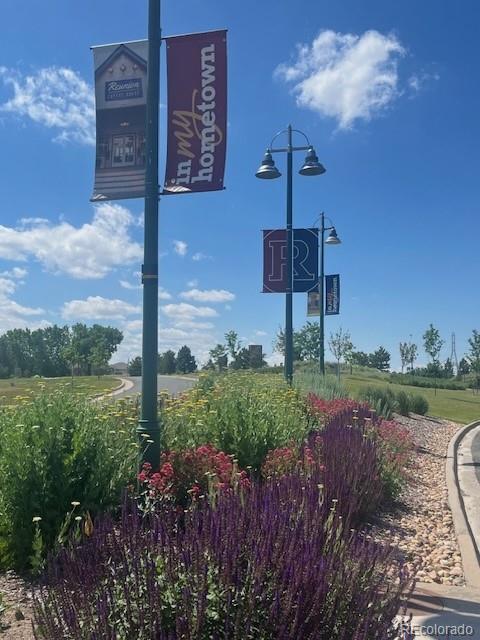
[(332, 239), (148, 426), (322, 296), (289, 294), (268, 171)]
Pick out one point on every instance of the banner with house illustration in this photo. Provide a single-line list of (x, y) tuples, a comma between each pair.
[(120, 102), (196, 112), (313, 303)]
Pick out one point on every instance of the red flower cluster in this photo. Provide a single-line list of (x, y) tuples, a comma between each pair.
[(185, 475), (286, 460), (329, 409)]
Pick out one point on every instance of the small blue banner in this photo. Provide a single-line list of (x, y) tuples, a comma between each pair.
[(332, 295), (124, 89), (305, 260)]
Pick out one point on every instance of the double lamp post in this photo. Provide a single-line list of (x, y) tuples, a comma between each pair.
[(311, 167)]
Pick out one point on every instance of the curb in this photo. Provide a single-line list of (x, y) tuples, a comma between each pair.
[(111, 394), (468, 547)]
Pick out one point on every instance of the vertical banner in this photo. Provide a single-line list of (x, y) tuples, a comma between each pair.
[(305, 260), (332, 295), (313, 303), (197, 112), (121, 108)]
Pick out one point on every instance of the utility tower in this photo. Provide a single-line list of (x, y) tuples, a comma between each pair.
[(453, 355)]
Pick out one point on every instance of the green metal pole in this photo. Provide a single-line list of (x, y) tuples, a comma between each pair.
[(148, 424), (321, 286), (289, 296)]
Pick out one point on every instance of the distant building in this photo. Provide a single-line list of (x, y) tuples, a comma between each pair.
[(119, 368)]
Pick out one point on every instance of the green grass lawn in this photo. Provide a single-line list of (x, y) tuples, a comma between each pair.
[(459, 406), (13, 390)]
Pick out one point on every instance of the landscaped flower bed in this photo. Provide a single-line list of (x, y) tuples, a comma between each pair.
[(254, 515)]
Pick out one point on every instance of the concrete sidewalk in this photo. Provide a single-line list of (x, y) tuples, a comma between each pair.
[(444, 612)]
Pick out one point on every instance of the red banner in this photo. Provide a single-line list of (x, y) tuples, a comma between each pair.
[(197, 112)]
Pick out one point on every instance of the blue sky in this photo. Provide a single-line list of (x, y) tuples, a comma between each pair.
[(387, 92)]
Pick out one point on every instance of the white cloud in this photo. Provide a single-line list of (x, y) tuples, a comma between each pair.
[(7, 287), (184, 311), (98, 308), (12, 314), (128, 285), (162, 294), (55, 97), (417, 81), (192, 283), (212, 295), (200, 256), (191, 324), (180, 247), (16, 272), (345, 76), (89, 251), (260, 333)]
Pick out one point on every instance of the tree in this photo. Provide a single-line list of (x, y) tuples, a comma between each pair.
[(242, 359), (412, 354), (218, 354), (474, 351), (380, 359), (167, 363), (404, 354), (340, 345), (448, 371), (360, 358), (135, 367), (463, 368), (209, 365), (185, 361), (432, 343), (233, 344), (98, 358), (279, 344), (474, 356)]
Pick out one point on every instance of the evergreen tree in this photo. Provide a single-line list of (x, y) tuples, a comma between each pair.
[(135, 367), (185, 361)]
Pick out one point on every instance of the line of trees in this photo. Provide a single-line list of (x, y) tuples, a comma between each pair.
[(233, 355), (306, 346), (58, 351), (432, 345), (168, 362)]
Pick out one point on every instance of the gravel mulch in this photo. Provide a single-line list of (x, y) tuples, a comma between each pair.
[(17, 596), (421, 524)]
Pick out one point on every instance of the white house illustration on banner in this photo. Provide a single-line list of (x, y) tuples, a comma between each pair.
[(120, 97)]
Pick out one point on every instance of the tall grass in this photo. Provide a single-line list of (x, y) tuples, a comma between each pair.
[(57, 450), (243, 414), (327, 387)]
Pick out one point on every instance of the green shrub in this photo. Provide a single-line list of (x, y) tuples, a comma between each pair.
[(403, 403), (381, 399), (427, 383), (327, 387), (419, 404), (244, 414), (56, 450)]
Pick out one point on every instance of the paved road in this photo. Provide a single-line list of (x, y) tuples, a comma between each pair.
[(170, 383), (476, 454)]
